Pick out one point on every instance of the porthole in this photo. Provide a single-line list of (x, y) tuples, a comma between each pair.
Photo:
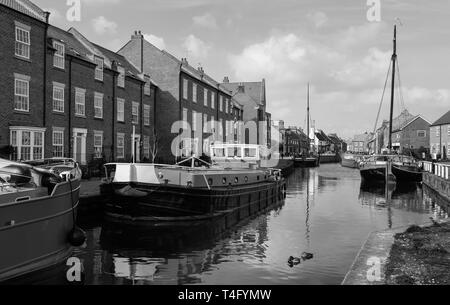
[(236, 180), (224, 180), (210, 181), (246, 179), (257, 178)]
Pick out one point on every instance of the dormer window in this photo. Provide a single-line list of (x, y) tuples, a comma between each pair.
[(59, 57), (121, 77), (99, 69)]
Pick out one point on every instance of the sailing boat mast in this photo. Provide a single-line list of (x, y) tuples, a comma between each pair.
[(394, 59), (308, 131)]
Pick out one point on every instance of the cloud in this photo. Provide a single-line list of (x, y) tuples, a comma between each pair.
[(104, 26), (55, 15), (100, 2), (207, 20), (114, 44), (319, 19), (156, 41), (195, 47), (346, 79)]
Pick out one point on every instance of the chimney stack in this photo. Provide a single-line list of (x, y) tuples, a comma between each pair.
[(241, 88), (226, 80), (137, 35), (184, 61)]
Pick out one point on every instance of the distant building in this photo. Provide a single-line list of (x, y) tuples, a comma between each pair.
[(440, 136), (324, 143), (252, 95), (337, 144), (360, 143), (295, 141)]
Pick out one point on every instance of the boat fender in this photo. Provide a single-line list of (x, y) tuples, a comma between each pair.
[(77, 237)]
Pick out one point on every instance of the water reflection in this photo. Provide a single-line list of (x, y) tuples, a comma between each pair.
[(327, 213), (161, 254)]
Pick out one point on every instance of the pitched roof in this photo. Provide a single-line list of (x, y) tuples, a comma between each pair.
[(322, 136), (444, 120), (254, 89), (130, 69), (407, 123), (202, 76), (73, 46), (26, 7)]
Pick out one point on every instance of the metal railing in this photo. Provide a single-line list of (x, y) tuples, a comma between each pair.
[(437, 169)]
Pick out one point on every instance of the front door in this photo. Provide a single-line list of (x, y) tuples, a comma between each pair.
[(137, 147), (79, 145)]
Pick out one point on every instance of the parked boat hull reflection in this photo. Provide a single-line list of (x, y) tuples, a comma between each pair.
[(177, 204)]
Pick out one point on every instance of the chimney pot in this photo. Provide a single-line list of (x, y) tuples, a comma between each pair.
[(226, 80)]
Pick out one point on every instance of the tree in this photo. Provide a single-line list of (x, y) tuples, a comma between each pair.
[(154, 146)]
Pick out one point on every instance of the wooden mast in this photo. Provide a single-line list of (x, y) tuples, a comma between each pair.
[(394, 58), (308, 131)]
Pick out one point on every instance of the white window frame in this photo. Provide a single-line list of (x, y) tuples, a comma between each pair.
[(424, 132), (98, 148), (121, 77), (100, 62), (185, 115), (205, 122), (121, 147), (185, 88), (205, 97), (98, 105), (194, 120), (438, 131), (23, 96), (58, 145), (194, 92), (147, 86), (147, 111), (213, 100), (221, 103), (120, 110), (17, 142), (59, 58), (22, 40), (58, 101), (80, 102), (146, 147), (135, 113)]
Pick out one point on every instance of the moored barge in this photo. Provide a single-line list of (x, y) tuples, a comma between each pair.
[(143, 193)]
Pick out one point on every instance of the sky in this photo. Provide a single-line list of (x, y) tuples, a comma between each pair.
[(333, 45)]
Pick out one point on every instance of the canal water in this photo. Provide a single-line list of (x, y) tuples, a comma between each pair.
[(327, 213)]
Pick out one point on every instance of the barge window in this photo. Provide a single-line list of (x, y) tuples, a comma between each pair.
[(210, 182), (246, 179), (224, 180), (236, 180)]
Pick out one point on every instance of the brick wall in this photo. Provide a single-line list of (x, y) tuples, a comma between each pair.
[(10, 64)]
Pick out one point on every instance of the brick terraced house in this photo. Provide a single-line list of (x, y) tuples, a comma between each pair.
[(64, 96), (185, 94), (23, 28)]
